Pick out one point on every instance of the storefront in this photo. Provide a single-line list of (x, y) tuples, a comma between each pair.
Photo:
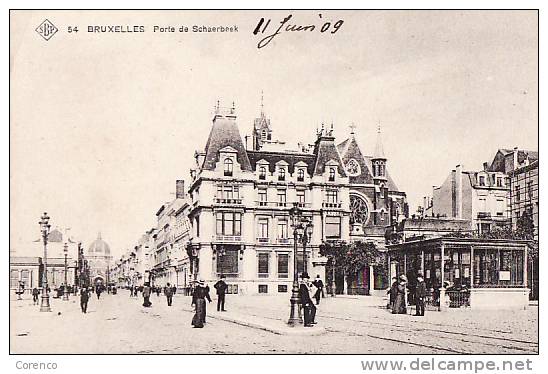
[(465, 272)]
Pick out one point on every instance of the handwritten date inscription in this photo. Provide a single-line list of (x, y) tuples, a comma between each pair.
[(263, 28)]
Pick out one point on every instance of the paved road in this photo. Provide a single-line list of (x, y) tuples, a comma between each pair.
[(119, 324)]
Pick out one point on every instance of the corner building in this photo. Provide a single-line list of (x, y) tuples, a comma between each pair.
[(240, 202)]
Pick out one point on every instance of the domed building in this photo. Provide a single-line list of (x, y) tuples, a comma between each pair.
[(99, 258)]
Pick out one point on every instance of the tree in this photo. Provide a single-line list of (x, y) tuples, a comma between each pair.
[(351, 258)]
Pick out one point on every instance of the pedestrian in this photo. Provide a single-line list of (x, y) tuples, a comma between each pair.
[(319, 289), (131, 291), (174, 289), (98, 290), (35, 294), (393, 292), (84, 298), (146, 296), (306, 301), (201, 292), (420, 296), (400, 306), (221, 288), (168, 291), (158, 291)]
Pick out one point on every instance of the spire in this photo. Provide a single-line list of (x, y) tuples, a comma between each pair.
[(99, 235), (262, 103), (379, 150)]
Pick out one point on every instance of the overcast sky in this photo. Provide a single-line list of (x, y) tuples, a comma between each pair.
[(103, 124)]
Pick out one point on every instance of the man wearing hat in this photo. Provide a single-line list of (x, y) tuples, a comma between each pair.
[(221, 288), (306, 301), (420, 295)]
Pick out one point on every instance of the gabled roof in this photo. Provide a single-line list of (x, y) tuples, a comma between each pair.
[(224, 132), (351, 150)]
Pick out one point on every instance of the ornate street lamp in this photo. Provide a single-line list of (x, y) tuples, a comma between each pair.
[(44, 227), (65, 293), (307, 237), (295, 214)]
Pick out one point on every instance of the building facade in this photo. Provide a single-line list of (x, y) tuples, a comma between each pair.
[(481, 197), (99, 261), (240, 201)]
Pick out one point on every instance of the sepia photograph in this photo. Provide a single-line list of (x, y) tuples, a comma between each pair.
[(274, 182)]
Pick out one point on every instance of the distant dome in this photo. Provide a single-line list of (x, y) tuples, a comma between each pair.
[(99, 247)]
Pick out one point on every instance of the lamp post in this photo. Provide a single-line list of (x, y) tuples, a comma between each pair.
[(44, 227), (65, 293), (307, 236), (294, 318)]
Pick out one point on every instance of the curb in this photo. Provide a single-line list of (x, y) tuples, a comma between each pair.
[(282, 330)]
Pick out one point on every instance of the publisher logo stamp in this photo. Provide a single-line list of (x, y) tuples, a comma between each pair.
[(46, 29)]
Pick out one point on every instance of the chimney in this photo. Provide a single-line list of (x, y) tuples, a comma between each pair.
[(515, 166), (458, 191), (179, 189), (485, 166)]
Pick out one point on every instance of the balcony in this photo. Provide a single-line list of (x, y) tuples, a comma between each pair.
[(263, 240), (331, 205), (484, 215), (283, 240), (281, 204), (226, 201), (228, 238)]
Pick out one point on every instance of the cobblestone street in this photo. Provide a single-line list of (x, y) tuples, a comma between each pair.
[(256, 324)]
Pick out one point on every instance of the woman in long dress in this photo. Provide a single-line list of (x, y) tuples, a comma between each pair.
[(400, 306), (198, 300)]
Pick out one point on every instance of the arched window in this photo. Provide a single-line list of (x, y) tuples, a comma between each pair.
[(229, 165), (262, 173), (300, 175), (332, 174), (281, 174)]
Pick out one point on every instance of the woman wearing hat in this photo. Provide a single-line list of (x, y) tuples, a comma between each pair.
[(400, 306), (201, 292)]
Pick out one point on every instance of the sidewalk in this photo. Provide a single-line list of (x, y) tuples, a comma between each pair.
[(249, 311)]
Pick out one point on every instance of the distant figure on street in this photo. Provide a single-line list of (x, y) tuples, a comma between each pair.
[(84, 298), (319, 289), (306, 301), (174, 289), (400, 306), (98, 290), (35, 294), (393, 292), (132, 291), (168, 291), (146, 296), (221, 288), (420, 296), (158, 290), (201, 292)]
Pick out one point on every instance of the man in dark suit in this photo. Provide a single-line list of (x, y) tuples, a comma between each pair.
[(319, 289), (84, 298), (221, 288), (420, 296), (306, 301)]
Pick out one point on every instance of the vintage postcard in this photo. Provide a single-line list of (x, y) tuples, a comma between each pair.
[(275, 182)]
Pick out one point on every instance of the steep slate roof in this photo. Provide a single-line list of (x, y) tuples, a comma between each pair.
[(499, 162), (348, 149), (224, 132), (289, 157), (325, 150)]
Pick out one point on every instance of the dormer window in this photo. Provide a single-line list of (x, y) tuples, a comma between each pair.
[(499, 181), (263, 135), (262, 173), (229, 167), (300, 175), (332, 174), (281, 174), (482, 180)]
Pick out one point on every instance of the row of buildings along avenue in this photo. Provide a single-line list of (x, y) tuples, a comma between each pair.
[(233, 217)]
